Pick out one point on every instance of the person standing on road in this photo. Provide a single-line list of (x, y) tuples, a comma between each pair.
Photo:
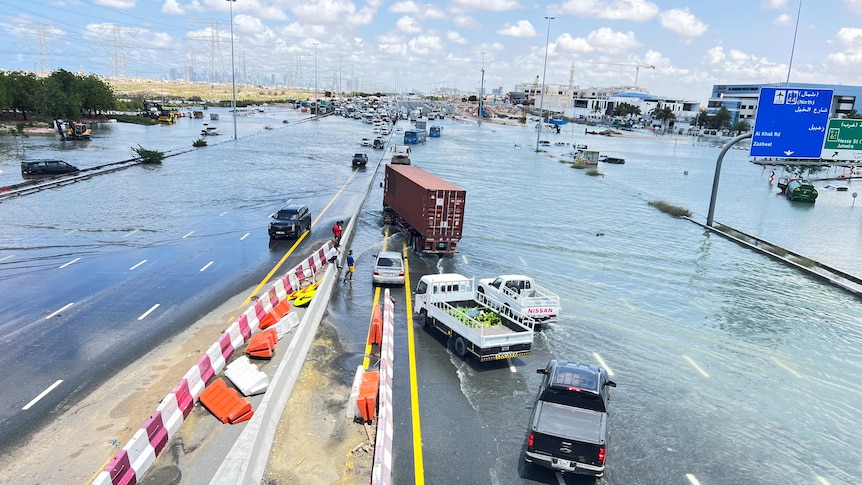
[(350, 263), (336, 231)]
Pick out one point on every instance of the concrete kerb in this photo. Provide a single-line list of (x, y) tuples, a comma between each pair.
[(835, 277), (181, 400), (247, 459)]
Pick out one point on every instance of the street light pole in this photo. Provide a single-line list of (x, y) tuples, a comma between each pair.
[(316, 105), (232, 69), (544, 70), (482, 91), (793, 47)]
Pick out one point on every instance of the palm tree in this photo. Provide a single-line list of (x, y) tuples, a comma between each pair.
[(663, 114)]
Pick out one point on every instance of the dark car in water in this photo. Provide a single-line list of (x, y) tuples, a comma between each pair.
[(33, 168), (290, 222), (568, 429), (359, 160)]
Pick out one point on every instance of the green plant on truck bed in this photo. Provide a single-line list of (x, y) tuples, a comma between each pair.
[(485, 319)]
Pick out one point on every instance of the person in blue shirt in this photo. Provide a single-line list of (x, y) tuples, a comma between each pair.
[(350, 263)]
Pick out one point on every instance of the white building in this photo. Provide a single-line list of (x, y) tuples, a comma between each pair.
[(573, 102)]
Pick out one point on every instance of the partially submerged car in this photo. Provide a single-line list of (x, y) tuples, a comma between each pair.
[(35, 168)]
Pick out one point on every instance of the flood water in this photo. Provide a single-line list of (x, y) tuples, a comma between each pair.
[(730, 366)]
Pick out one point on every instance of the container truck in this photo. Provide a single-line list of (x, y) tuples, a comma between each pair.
[(449, 303), (428, 210)]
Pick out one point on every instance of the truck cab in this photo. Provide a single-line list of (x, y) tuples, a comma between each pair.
[(401, 155), (452, 285)]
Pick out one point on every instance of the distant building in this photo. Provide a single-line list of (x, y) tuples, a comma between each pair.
[(575, 102), (741, 99), (601, 102)]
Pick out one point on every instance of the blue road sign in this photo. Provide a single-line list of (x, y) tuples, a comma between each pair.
[(791, 122)]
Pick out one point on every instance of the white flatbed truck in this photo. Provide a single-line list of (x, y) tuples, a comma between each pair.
[(449, 303)]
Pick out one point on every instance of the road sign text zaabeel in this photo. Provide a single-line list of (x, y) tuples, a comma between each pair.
[(791, 122)]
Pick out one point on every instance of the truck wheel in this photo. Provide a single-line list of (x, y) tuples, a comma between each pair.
[(460, 347)]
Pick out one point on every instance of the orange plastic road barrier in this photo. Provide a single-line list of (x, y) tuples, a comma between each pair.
[(375, 334), (225, 403), (367, 400), (262, 344), (277, 313)]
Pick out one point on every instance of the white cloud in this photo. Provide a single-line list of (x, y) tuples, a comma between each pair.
[(492, 5), (466, 22), (301, 31), (408, 25), (424, 44), (851, 38), (409, 7), (782, 20), (774, 4), (603, 40), (393, 49), (523, 28), (247, 24), (633, 10), (854, 5), (332, 12), (171, 7), (738, 66), (607, 40), (683, 23), (422, 11), (455, 37), (572, 45), (121, 4)]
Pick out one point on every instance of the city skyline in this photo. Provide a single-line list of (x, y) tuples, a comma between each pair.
[(672, 50)]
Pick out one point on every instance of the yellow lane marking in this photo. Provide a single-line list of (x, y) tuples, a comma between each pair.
[(603, 363), (366, 361), (274, 269), (418, 463), (694, 364), (788, 369), (292, 248)]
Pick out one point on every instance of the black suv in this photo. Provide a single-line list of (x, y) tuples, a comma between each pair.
[(46, 167), (359, 160), (290, 222)]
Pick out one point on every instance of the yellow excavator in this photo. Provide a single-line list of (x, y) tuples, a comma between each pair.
[(73, 130)]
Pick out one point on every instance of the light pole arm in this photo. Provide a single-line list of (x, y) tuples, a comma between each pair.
[(718, 172)]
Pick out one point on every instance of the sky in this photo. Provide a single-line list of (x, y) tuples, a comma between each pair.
[(676, 49)]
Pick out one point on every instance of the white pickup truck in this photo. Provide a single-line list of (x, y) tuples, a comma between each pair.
[(450, 304), (521, 294)]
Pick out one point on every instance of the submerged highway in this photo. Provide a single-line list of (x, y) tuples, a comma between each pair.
[(731, 368)]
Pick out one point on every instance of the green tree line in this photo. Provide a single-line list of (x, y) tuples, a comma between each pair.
[(61, 95)]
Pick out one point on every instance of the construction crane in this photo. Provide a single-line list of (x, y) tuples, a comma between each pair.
[(637, 67), (527, 101)]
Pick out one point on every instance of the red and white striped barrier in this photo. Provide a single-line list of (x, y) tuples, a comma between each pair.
[(130, 464), (381, 472)]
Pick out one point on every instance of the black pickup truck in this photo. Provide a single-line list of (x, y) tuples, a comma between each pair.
[(568, 429)]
